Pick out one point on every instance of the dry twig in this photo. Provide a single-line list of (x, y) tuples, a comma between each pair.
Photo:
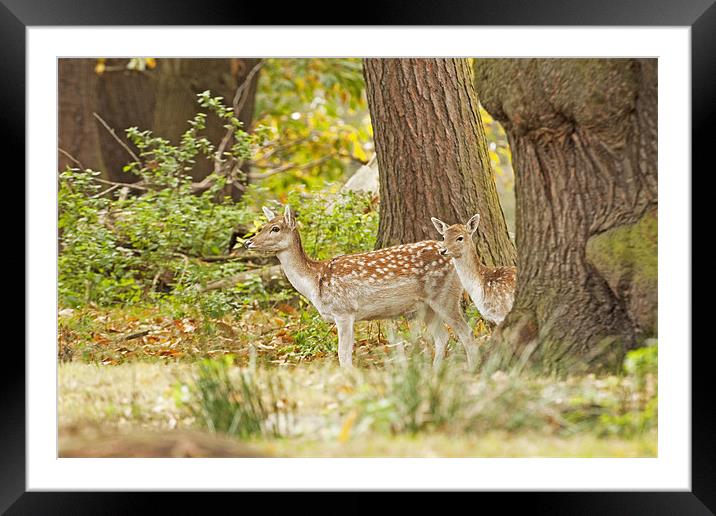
[(288, 167), (114, 135)]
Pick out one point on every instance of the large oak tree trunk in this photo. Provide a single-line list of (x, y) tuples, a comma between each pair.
[(432, 153), (583, 134)]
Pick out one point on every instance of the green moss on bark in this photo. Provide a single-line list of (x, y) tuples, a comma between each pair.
[(627, 258)]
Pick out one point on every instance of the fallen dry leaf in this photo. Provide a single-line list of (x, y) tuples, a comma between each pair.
[(286, 308), (347, 426), (100, 339), (170, 353)]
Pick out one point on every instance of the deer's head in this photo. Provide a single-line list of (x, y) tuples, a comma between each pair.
[(456, 238), (276, 235)]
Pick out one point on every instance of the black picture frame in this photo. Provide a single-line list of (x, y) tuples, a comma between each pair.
[(17, 15)]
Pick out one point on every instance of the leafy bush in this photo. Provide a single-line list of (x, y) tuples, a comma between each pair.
[(638, 411), (117, 248), (92, 266), (331, 225), (642, 362)]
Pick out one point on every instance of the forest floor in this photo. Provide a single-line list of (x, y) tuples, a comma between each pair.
[(137, 370)]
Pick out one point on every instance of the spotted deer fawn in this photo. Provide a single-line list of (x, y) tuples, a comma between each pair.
[(492, 289), (411, 279)]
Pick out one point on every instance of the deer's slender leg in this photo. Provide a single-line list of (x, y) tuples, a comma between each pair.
[(452, 315), (439, 334), (345, 340)]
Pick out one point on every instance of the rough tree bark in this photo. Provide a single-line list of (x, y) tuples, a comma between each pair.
[(432, 153), (583, 134)]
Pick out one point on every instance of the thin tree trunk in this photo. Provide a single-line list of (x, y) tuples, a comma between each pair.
[(432, 153), (583, 139)]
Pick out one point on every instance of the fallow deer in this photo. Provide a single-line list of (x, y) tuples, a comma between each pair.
[(411, 279), (492, 289)]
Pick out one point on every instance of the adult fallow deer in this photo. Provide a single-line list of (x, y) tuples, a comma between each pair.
[(410, 279)]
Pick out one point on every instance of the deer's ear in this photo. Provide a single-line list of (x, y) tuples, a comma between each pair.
[(473, 223), (269, 214), (439, 225), (288, 217)]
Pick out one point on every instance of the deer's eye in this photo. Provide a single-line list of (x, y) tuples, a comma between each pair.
[(459, 239), (275, 229)]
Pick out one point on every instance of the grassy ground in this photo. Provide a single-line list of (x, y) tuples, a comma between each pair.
[(363, 414)]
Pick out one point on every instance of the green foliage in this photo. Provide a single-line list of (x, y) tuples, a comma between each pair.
[(165, 165), (642, 362), (119, 249), (500, 154), (92, 266), (147, 246), (317, 111), (315, 335), (639, 410), (239, 404), (633, 408), (344, 224), (124, 250)]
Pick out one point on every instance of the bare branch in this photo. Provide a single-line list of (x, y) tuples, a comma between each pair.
[(288, 167), (105, 192), (71, 157), (239, 97), (283, 147), (223, 258), (114, 135), (351, 157), (203, 185), (237, 104), (267, 275), (135, 186)]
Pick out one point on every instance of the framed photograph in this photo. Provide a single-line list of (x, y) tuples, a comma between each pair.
[(434, 254)]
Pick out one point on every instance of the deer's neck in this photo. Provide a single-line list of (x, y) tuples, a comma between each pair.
[(300, 270), (471, 272)]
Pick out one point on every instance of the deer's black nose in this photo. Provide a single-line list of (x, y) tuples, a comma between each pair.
[(443, 251), (247, 244)]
